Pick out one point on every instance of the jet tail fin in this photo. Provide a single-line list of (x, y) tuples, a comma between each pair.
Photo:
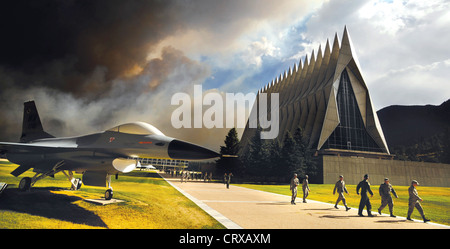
[(32, 127)]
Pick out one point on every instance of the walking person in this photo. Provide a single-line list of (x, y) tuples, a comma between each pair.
[(364, 185), (414, 201), (305, 188), (229, 179), (294, 183), (340, 188), (386, 199)]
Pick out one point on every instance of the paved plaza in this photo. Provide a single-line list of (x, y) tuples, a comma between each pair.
[(239, 207)]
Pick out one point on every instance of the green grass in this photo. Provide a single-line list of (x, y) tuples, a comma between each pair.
[(150, 203), (436, 202)]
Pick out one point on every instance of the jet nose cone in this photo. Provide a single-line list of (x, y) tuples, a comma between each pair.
[(187, 151)]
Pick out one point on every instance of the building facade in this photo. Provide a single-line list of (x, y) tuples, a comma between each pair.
[(328, 98)]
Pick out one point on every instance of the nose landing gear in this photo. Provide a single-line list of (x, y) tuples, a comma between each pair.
[(108, 194), (109, 191)]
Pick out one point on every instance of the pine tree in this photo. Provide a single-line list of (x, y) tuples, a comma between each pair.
[(301, 141), (275, 159), (290, 156), (231, 143), (256, 159), (229, 162), (301, 150), (445, 156), (306, 164)]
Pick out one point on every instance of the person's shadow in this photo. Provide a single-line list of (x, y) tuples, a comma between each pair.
[(391, 221)]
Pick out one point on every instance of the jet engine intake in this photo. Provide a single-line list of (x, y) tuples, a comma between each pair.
[(125, 165)]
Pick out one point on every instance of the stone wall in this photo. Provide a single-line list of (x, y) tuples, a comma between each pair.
[(398, 172)]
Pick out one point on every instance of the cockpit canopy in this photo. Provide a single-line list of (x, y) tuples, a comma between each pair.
[(137, 128)]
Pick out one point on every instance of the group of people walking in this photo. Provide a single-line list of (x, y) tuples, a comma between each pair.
[(362, 189), (188, 175), (305, 187)]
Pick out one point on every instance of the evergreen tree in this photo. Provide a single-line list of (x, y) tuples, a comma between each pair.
[(301, 141), (255, 160), (301, 149), (307, 164), (275, 159), (230, 162), (290, 157), (231, 143), (445, 156)]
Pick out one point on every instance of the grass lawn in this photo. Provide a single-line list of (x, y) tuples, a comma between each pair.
[(150, 203), (436, 202)]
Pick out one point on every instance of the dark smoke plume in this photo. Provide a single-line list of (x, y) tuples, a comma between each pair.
[(85, 62)]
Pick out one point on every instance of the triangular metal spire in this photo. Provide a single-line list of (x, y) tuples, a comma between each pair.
[(348, 41)]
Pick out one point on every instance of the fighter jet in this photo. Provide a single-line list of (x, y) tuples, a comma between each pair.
[(96, 156)]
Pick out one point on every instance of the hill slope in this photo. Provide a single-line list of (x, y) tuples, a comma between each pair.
[(405, 125)]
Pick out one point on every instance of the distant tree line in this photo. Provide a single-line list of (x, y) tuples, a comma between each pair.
[(268, 160), (275, 161), (434, 149)]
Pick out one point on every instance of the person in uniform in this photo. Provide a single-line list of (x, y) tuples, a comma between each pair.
[(305, 187), (340, 187), (364, 185), (294, 183), (386, 199), (229, 179), (414, 201)]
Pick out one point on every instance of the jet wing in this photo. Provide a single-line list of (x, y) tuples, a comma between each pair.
[(28, 148), (6, 147)]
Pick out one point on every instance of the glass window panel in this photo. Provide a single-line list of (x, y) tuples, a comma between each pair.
[(350, 134)]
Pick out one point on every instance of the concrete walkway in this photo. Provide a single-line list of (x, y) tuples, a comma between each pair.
[(239, 207)]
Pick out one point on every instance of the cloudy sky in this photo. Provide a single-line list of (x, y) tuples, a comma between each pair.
[(91, 65)]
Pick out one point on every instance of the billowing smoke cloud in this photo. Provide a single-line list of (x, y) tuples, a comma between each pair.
[(142, 97), (90, 65), (85, 64), (58, 44)]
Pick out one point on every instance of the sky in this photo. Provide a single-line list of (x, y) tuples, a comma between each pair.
[(91, 65)]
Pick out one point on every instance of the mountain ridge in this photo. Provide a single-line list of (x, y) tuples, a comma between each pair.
[(406, 125)]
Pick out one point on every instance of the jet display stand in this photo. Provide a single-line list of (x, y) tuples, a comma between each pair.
[(3, 186), (104, 202)]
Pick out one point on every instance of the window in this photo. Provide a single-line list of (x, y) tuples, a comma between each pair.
[(138, 128), (350, 134)]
